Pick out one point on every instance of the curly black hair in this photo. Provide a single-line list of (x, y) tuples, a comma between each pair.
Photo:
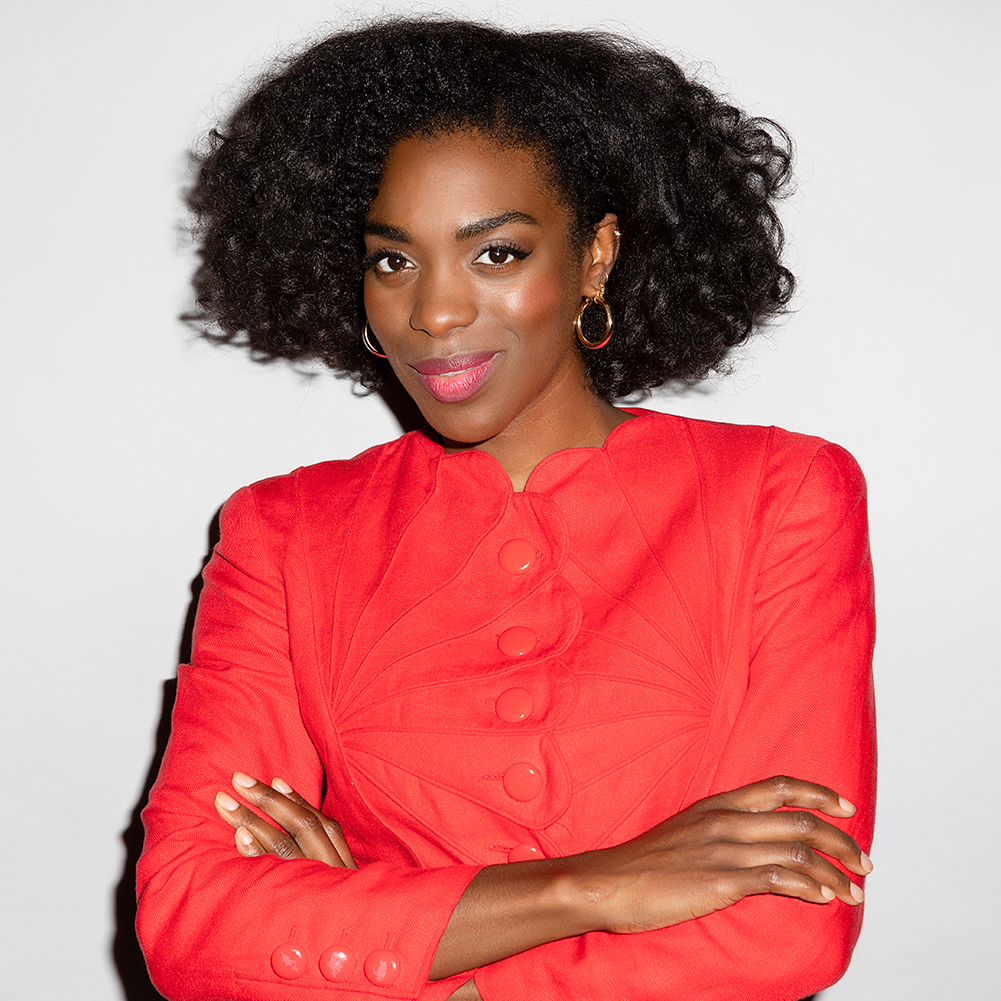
[(284, 187)]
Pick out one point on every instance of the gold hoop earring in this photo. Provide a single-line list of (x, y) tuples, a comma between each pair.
[(599, 300), (366, 339)]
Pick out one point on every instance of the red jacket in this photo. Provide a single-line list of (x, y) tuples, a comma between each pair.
[(697, 614)]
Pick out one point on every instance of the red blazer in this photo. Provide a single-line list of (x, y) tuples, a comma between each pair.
[(459, 672)]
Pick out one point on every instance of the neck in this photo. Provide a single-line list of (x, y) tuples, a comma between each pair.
[(581, 420)]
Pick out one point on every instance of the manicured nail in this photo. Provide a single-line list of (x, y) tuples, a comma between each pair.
[(866, 863), (281, 785), (828, 892), (244, 780), (226, 802), (244, 837), (857, 893), (845, 805)]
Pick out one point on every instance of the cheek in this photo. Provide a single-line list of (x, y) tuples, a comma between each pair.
[(376, 304), (544, 303)]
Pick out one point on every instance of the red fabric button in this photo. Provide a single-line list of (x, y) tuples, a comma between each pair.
[(514, 705), (287, 961), (338, 963), (382, 967), (522, 781), (524, 853), (517, 641), (517, 556)]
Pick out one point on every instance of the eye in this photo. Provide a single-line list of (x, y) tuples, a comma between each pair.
[(500, 255), (387, 262)]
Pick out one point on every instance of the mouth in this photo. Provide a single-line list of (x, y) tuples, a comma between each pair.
[(456, 378)]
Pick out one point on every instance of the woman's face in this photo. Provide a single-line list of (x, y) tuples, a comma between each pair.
[(472, 285)]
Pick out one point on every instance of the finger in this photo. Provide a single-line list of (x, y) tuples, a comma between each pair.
[(800, 858), (784, 882), (247, 845), (781, 790), (794, 826), (333, 829), (270, 840), (302, 824)]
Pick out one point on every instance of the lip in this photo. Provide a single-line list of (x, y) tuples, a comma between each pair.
[(457, 377)]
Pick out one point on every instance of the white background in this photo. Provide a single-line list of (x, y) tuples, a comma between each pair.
[(123, 434)]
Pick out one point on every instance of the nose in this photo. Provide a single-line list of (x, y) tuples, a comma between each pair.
[(443, 303)]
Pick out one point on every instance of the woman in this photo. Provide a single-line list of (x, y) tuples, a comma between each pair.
[(527, 682)]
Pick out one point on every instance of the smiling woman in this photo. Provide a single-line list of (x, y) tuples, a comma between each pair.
[(534, 679), (474, 301)]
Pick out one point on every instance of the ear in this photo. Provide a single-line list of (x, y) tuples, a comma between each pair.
[(600, 254)]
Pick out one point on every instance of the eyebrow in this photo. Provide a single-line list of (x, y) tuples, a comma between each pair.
[(485, 225), (466, 232), (387, 232)]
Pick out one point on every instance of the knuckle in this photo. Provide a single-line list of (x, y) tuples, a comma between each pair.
[(712, 823), (781, 785), (805, 823), (772, 876), (800, 856), (309, 823), (285, 848)]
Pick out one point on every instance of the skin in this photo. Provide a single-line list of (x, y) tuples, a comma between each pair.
[(441, 283), (435, 292)]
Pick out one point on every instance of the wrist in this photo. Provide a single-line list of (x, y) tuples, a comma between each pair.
[(579, 894)]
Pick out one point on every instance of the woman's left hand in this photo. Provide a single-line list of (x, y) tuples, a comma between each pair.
[(307, 832)]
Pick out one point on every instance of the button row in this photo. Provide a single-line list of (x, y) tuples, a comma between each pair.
[(522, 781), (338, 963)]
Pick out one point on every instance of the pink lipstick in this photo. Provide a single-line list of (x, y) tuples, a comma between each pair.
[(455, 378)]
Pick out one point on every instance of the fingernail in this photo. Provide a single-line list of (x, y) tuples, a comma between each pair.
[(866, 863), (281, 785), (828, 892), (244, 780), (226, 802), (845, 805), (244, 836), (857, 893)]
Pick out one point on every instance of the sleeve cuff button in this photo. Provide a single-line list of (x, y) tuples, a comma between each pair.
[(382, 967)]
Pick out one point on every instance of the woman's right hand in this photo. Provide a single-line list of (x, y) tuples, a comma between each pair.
[(707, 857), (719, 850)]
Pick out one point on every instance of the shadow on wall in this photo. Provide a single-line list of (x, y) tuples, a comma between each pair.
[(127, 955), (125, 949)]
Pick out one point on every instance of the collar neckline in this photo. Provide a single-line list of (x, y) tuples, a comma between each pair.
[(615, 438)]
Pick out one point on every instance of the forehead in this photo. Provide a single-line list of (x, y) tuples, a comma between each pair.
[(458, 177)]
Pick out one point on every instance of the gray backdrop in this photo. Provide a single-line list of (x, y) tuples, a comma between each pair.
[(124, 435)]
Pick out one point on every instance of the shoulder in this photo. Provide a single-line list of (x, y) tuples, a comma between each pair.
[(729, 453), (319, 497), (744, 478)]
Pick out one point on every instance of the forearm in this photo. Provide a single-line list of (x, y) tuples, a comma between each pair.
[(705, 858), (509, 909)]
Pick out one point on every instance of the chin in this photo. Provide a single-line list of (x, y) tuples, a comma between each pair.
[(459, 423)]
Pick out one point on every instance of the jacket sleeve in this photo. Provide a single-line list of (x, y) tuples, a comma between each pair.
[(807, 712), (213, 924)]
